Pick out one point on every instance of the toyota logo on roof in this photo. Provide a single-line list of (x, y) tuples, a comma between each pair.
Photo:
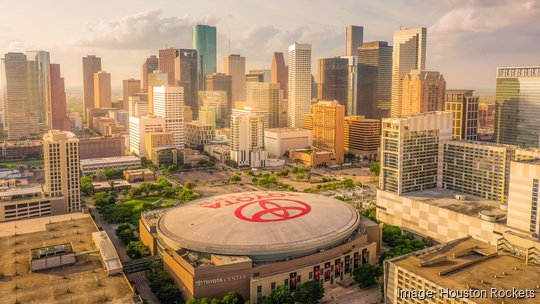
[(272, 210)]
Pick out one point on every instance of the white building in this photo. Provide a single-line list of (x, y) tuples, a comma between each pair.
[(169, 104), (62, 168), (247, 140), (93, 165), (138, 126), (279, 141), (299, 83), (121, 117), (138, 105), (256, 111)]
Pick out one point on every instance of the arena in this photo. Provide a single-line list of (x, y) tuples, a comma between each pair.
[(253, 242)]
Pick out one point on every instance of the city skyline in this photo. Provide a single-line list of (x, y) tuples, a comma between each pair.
[(458, 33)]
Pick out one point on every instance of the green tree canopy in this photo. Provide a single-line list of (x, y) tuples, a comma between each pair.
[(281, 295), (310, 292), (367, 275)]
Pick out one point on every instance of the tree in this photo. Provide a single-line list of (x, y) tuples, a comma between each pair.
[(235, 178), (186, 166), (126, 235), (186, 195), (233, 297), (122, 227), (189, 185), (281, 295), (136, 250), (367, 275), (147, 188), (348, 183), (310, 292), (169, 294), (375, 168)]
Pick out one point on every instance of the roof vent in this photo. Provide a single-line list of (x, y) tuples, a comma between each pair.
[(487, 216), (460, 197)]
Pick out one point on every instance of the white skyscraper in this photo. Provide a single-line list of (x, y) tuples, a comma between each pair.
[(409, 54), (138, 126), (299, 83), (247, 140), (169, 103), (62, 168)]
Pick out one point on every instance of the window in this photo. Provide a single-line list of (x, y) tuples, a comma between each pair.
[(273, 286)]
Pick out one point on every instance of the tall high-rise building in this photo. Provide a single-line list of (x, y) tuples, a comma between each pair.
[(150, 65), (155, 79), (169, 103), (207, 115), (265, 96), (518, 106), (205, 42), (138, 127), (247, 140), (185, 73), (299, 83), (235, 66), (58, 114), (280, 73), (102, 90), (465, 108), (39, 95), (130, 87), (218, 101), (328, 128), (362, 137), (423, 91), (354, 39), (220, 82), (62, 168), (91, 65), (332, 79), (265, 73), (14, 82), (410, 158), (375, 79), (409, 53), (243, 109), (166, 63)]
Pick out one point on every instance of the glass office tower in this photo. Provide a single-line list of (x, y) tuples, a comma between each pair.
[(205, 42)]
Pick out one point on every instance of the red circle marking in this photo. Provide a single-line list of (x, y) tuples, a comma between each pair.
[(270, 210)]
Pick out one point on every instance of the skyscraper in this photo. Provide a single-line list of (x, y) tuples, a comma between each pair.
[(375, 79), (409, 53), (220, 82), (328, 128), (333, 80), (62, 168), (38, 63), (265, 96), (235, 66), (280, 73), (169, 103), (151, 64), (205, 42), (518, 106), (247, 140), (102, 90), (410, 158), (91, 65), (13, 74), (362, 136), (185, 73), (465, 108), (423, 91), (166, 63), (299, 82), (155, 79), (354, 39), (130, 87), (58, 113)]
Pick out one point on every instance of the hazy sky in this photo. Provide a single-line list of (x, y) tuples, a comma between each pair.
[(467, 39)]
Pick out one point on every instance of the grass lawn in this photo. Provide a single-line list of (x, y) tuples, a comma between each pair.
[(29, 163), (130, 210)]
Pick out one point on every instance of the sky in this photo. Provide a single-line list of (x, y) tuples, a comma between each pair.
[(467, 39)]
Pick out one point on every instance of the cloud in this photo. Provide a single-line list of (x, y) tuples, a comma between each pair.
[(142, 31)]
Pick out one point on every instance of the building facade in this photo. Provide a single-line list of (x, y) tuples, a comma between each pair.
[(58, 119), (247, 140), (39, 90), (279, 141), (235, 66), (131, 87), (362, 136), (91, 65), (185, 73), (220, 82), (328, 128), (205, 42), (102, 90), (423, 91), (169, 104), (354, 37), (150, 65), (265, 96), (299, 83), (199, 134), (280, 73), (138, 127), (465, 108)]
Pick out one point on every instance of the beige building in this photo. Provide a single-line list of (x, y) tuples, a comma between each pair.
[(157, 138), (466, 271), (208, 115), (26, 202), (307, 121), (139, 175), (265, 96), (62, 168), (523, 196), (130, 88), (410, 154), (138, 105), (299, 83), (328, 128), (169, 104), (247, 140), (89, 166), (199, 134), (138, 127), (91, 65), (409, 53), (243, 108), (102, 90), (362, 136), (216, 100), (279, 141), (155, 79), (235, 66), (465, 108), (220, 152), (423, 91)]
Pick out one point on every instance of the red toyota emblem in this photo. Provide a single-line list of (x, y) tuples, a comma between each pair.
[(272, 210)]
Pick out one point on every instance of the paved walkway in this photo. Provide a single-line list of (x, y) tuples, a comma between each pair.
[(352, 295)]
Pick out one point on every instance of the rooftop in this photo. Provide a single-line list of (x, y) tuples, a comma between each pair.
[(21, 191), (285, 130), (469, 264), (109, 160), (469, 204)]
